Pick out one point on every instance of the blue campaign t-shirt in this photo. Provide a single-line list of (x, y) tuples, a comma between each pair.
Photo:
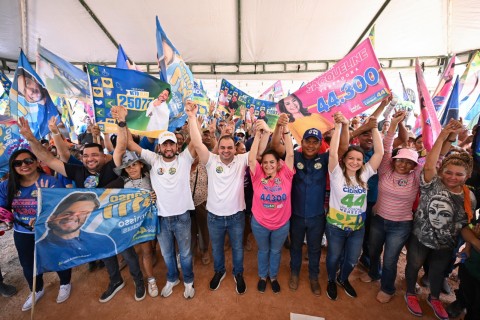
[(24, 204)]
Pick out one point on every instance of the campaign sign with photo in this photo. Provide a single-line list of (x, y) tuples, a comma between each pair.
[(76, 226), (352, 85), (232, 99), (142, 94)]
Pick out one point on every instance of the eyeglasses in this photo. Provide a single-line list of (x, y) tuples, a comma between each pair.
[(18, 163)]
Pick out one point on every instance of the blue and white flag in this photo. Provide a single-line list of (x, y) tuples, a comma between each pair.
[(76, 226), (451, 109), (6, 83), (121, 58), (174, 71), (29, 98)]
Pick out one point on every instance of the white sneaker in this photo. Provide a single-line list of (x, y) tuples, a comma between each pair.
[(152, 288), (167, 290), (29, 303), (189, 292), (64, 292)]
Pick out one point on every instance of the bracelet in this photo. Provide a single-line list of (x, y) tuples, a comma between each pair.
[(56, 134), (286, 132), (452, 140)]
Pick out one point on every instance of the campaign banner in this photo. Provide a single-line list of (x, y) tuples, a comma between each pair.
[(176, 72), (451, 109), (144, 96), (232, 99), (201, 99), (430, 125), (441, 93), (29, 98), (11, 140), (62, 78), (6, 85), (469, 89), (352, 85), (273, 93), (122, 59), (76, 226)]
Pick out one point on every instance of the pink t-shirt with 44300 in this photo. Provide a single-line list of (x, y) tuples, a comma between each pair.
[(272, 205)]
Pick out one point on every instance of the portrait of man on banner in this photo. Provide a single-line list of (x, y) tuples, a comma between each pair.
[(65, 240)]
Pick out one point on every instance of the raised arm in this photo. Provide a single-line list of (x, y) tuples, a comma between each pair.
[(119, 113), (191, 110), (108, 142), (335, 142), (289, 156), (278, 133), (377, 156), (60, 143), (252, 155), (37, 149), (430, 167)]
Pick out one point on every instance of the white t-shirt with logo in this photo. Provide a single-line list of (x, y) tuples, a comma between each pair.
[(171, 182), (225, 185)]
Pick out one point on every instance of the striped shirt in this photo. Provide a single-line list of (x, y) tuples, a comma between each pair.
[(396, 192)]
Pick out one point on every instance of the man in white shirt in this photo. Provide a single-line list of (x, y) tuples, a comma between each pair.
[(170, 178), (225, 201)]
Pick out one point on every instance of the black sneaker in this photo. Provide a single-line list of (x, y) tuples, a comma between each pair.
[(241, 286), (140, 291), (216, 280), (332, 290), (275, 286), (262, 285), (7, 290), (111, 291), (347, 287)]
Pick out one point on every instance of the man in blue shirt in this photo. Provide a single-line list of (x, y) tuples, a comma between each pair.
[(308, 197)]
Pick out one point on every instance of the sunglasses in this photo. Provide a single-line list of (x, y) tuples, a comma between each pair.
[(18, 163)]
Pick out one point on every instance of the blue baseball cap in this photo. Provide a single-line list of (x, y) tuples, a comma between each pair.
[(313, 132)]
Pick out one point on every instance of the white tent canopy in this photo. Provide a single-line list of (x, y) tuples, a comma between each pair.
[(238, 37)]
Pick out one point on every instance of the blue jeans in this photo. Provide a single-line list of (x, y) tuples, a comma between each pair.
[(394, 235), (171, 229), (270, 244), (342, 243), (218, 227), (314, 228)]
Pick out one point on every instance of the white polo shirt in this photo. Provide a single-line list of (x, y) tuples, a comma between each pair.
[(171, 182), (225, 185)]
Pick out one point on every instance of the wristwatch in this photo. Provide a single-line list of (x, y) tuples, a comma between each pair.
[(122, 124)]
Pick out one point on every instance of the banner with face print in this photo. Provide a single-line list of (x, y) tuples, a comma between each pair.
[(76, 226), (144, 96)]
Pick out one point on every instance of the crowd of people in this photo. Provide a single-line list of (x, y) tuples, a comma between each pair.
[(370, 191)]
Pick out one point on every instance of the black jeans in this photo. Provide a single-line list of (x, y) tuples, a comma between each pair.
[(131, 259), (25, 244), (438, 260), (470, 290)]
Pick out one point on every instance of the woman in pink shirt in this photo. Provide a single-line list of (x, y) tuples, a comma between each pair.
[(399, 182), (271, 208)]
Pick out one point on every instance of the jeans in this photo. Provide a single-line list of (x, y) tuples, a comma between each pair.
[(394, 235), (25, 244), (171, 229), (131, 258), (199, 226), (270, 244), (438, 260), (314, 228), (218, 226), (469, 289), (346, 244), (365, 257)]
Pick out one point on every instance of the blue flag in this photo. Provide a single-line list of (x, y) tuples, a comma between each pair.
[(6, 83), (122, 58), (174, 71), (451, 109), (30, 99), (107, 221), (476, 144)]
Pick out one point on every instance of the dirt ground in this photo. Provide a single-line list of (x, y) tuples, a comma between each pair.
[(221, 304)]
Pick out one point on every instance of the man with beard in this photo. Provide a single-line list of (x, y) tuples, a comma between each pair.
[(65, 240), (96, 172), (170, 178)]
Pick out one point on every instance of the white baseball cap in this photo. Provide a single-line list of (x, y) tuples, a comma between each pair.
[(165, 136)]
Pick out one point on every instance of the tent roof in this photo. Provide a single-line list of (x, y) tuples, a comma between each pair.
[(216, 36)]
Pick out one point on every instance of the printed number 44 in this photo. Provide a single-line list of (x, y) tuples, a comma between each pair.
[(349, 201)]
